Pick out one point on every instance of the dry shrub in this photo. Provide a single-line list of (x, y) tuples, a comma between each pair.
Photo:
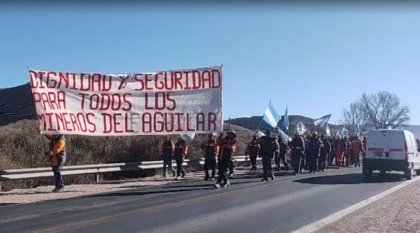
[(21, 146)]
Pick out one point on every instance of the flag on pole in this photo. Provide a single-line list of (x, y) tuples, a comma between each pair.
[(323, 121), (284, 137), (285, 123), (328, 131), (271, 116), (188, 137), (260, 134), (301, 128), (345, 132)]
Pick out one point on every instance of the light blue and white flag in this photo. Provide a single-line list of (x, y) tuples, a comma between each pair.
[(323, 121), (328, 131), (345, 132), (284, 137), (285, 123), (301, 128), (188, 137), (271, 116), (260, 133)]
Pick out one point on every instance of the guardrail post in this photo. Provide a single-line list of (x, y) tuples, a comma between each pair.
[(1, 185), (98, 178)]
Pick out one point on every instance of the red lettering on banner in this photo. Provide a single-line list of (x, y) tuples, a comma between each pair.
[(123, 81), (177, 79), (146, 121), (50, 100), (216, 79), (196, 79), (117, 123), (158, 124), (159, 83), (212, 118), (178, 117), (84, 78), (200, 121), (147, 81), (33, 77), (187, 82), (107, 123)]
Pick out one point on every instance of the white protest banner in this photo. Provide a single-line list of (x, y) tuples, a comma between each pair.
[(167, 102)]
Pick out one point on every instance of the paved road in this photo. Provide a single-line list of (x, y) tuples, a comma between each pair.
[(246, 206)]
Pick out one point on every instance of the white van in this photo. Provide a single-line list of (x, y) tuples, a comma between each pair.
[(391, 150)]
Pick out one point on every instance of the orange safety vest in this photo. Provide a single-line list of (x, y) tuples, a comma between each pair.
[(58, 148)]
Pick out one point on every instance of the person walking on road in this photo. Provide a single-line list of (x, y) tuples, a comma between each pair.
[(211, 149), (57, 154), (356, 150), (167, 150), (181, 150), (297, 146), (314, 149), (253, 149), (268, 146), (340, 149), (227, 149), (281, 156), (325, 153)]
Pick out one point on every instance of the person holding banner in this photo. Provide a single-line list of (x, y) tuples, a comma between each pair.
[(167, 150), (314, 149), (228, 148), (297, 146), (181, 150), (252, 150), (211, 149), (57, 154)]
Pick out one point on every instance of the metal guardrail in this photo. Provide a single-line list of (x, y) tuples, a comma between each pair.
[(238, 158), (13, 174)]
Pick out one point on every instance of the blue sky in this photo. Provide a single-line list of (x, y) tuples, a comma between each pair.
[(315, 59)]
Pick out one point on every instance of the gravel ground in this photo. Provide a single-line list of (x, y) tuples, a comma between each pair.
[(398, 212), (43, 193)]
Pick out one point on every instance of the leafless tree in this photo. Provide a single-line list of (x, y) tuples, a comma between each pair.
[(384, 109), (379, 110), (354, 116)]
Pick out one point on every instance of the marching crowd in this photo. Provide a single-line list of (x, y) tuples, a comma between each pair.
[(312, 153)]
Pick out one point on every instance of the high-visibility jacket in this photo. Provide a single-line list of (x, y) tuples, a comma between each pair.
[(253, 147), (181, 149), (211, 149), (57, 148), (228, 148)]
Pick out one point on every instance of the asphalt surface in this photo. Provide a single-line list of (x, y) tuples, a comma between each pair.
[(248, 205)]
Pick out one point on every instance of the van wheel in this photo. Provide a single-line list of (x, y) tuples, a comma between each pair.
[(408, 174), (418, 172)]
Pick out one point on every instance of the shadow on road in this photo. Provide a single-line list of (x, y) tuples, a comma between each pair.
[(352, 179)]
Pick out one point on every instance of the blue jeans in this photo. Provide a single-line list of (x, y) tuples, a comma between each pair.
[(58, 178)]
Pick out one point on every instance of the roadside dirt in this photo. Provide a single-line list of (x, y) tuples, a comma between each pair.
[(398, 212)]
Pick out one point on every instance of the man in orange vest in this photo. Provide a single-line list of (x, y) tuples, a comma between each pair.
[(57, 155), (181, 151), (356, 150), (227, 149), (211, 150)]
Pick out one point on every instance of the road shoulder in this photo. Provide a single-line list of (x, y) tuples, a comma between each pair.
[(397, 212)]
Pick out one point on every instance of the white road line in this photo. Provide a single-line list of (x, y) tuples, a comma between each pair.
[(317, 225)]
